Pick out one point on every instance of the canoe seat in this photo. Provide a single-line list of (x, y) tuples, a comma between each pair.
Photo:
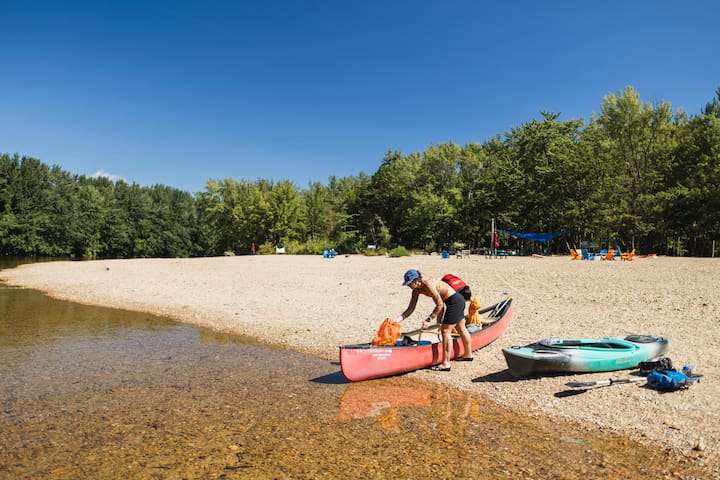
[(433, 331)]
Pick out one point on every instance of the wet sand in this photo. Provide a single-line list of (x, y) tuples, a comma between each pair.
[(312, 305)]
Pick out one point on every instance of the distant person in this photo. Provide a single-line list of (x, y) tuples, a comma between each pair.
[(449, 311), (252, 248)]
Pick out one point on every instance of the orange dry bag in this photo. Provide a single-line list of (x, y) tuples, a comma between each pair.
[(388, 334), (473, 315)]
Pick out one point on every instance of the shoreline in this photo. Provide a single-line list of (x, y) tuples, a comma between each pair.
[(313, 305)]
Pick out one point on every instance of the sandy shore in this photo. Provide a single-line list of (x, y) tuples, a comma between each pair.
[(313, 305)]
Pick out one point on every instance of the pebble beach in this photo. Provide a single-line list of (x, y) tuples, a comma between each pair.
[(313, 304)]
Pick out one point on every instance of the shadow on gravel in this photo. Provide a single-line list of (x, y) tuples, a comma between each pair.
[(336, 378), (570, 393), (504, 376), (497, 377)]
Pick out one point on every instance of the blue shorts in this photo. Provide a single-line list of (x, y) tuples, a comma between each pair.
[(454, 309)]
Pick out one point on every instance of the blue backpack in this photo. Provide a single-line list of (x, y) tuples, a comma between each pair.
[(669, 379)]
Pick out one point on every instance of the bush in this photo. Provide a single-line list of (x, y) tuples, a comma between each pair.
[(399, 252), (374, 252), (314, 247), (266, 248)]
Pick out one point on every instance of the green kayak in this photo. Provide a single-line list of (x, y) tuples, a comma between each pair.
[(575, 355)]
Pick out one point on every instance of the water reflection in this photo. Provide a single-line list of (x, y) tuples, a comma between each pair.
[(28, 317), (373, 399)]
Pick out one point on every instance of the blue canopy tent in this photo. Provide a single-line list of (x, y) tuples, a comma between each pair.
[(542, 237)]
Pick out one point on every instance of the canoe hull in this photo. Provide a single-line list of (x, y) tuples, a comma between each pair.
[(364, 362), (564, 355)]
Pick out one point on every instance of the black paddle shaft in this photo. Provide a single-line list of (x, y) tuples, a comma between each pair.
[(610, 381)]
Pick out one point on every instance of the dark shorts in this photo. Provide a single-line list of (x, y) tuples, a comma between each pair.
[(454, 309)]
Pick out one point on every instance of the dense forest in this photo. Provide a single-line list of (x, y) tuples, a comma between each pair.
[(637, 175)]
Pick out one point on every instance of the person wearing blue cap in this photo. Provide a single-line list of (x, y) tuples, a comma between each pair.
[(449, 307)]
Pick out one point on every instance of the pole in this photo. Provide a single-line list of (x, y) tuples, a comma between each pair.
[(492, 239)]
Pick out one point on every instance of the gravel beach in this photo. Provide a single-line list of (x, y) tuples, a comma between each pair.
[(313, 305)]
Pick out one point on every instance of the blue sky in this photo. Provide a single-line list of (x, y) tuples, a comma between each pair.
[(179, 92)]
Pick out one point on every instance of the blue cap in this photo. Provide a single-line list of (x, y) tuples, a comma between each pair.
[(411, 275)]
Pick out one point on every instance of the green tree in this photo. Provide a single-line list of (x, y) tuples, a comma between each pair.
[(32, 209), (442, 199), (712, 108), (491, 181), (344, 198), (9, 175), (389, 194), (548, 154), (319, 212), (236, 214), (83, 220), (287, 212), (173, 220), (639, 138), (691, 199)]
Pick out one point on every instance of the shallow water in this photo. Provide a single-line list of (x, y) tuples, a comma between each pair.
[(97, 393)]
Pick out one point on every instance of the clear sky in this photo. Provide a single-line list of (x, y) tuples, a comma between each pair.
[(177, 92)]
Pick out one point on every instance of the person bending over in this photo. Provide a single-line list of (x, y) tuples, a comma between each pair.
[(449, 307)]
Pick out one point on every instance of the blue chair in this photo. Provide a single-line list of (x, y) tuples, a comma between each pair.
[(586, 255)]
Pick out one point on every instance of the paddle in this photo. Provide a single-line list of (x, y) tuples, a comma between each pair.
[(610, 381), (432, 327)]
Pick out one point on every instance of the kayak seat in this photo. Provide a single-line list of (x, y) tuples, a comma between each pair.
[(642, 338), (584, 344), (605, 345)]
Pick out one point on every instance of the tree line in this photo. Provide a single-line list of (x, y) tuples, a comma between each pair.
[(637, 175)]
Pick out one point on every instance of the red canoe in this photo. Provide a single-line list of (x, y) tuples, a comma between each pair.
[(364, 362)]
